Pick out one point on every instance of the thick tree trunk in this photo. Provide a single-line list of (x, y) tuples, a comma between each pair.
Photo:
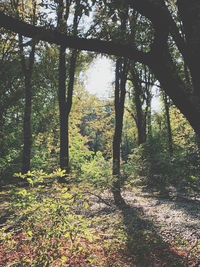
[(65, 103), (166, 72), (189, 13)]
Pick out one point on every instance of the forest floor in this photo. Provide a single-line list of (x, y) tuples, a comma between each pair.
[(152, 230)]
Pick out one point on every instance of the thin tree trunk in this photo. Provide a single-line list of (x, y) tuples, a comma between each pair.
[(27, 68), (141, 120), (169, 130), (149, 125), (2, 121), (65, 104), (120, 91), (27, 125), (27, 133), (140, 116), (64, 160), (148, 113)]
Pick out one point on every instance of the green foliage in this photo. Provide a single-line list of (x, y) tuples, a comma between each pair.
[(151, 163), (40, 176), (97, 171), (49, 226), (154, 165), (79, 153), (45, 215)]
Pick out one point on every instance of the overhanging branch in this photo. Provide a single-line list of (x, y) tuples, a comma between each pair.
[(53, 36)]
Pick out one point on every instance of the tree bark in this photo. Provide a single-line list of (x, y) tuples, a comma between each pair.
[(140, 117), (27, 125), (189, 13), (166, 72), (169, 130), (120, 91), (27, 133), (2, 121), (65, 104), (64, 159)]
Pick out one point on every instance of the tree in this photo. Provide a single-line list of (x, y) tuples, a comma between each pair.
[(121, 72), (27, 63), (11, 90), (169, 130), (142, 81), (65, 100), (97, 124), (166, 18)]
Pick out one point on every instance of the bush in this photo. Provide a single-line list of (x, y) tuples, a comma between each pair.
[(157, 168), (97, 171)]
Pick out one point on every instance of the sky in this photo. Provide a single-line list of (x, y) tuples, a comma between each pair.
[(100, 78)]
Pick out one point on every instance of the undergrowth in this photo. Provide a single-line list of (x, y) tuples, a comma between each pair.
[(51, 224)]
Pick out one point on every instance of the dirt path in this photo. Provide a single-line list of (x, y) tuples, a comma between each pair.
[(177, 218), (173, 220)]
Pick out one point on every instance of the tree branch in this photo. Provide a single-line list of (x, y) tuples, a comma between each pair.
[(53, 36)]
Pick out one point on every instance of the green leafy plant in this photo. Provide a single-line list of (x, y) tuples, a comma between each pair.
[(39, 176), (97, 171)]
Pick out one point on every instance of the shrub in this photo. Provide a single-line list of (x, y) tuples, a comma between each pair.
[(157, 168), (97, 171)]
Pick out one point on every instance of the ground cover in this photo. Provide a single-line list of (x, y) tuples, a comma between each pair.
[(77, 225)]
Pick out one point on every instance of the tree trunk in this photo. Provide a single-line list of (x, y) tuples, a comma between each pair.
[(148, 110), (65, 104), (27, 71), (120, 91), (169, 130), (141, 120), (27, 125), (64, 159), (140, 116), (166, 72), (2, 121)]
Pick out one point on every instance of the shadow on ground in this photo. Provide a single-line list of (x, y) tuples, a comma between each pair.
[(190, 206), (145, 247)]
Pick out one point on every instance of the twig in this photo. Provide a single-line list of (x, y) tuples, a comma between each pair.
[(189, 252), (100, 198)]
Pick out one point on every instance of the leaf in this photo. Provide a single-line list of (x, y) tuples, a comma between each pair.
[(85, 205), (30, 233), (67, 234), (30, 181), (63, 258)]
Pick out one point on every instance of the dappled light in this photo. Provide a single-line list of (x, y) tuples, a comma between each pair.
[(99, 133)]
